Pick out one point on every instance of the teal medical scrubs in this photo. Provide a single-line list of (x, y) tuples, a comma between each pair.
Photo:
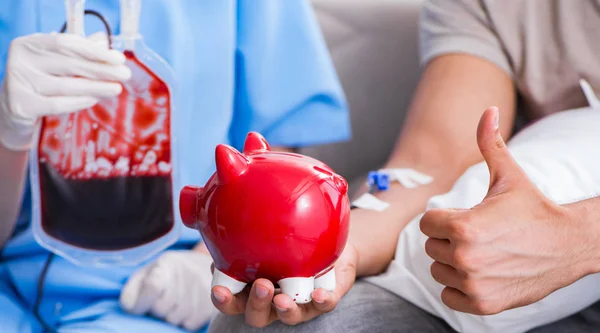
[(241, 65)]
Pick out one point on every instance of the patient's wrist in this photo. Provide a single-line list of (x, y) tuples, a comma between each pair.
[(585, 218)]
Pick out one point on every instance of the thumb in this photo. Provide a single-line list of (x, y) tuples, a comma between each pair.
[(504, 170), (345, 271)]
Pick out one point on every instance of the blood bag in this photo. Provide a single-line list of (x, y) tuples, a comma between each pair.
[(103, 177)]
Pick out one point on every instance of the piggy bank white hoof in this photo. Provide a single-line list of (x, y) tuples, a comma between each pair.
[(299, 289), (326, 281), (224, 280)]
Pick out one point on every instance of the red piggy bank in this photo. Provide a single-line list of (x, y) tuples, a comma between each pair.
[(273, 215)]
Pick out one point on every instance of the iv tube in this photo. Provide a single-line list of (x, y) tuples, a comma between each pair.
[(75, 9), (130, 20)]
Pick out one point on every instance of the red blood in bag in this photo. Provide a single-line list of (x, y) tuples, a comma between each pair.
[(105, 172)]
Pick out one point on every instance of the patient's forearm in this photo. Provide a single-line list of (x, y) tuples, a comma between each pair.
[(374, 234), (439, 139)]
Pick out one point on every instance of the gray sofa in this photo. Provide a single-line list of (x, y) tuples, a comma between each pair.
[(374, 45)]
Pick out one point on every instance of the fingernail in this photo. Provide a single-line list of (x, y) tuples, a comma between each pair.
[(496, 117), (319, 301), (219, 298), (280, 309), (261, 292)]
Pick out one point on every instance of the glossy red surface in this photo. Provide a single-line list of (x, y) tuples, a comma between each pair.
[(269, 214)]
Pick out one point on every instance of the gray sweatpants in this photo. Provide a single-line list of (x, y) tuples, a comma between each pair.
[(368, 308)]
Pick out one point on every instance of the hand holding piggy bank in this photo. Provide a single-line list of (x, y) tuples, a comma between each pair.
[(273, 215)]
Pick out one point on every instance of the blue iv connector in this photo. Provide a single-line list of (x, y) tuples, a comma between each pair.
[(378, 180)]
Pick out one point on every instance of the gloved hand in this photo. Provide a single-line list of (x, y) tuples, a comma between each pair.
[(175, 287), (50, 74)]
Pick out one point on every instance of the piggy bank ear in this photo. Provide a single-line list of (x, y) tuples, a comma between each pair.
[(230, 163), (340, 183), (255, 142)]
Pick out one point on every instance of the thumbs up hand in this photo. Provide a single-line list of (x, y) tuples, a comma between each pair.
[(512, 249)]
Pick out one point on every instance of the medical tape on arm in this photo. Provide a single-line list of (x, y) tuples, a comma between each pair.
[(380, 180)]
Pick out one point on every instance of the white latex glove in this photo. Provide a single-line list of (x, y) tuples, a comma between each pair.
[(175, 287), (50, 74)]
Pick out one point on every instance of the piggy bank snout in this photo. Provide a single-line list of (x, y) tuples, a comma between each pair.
[(189, 205)]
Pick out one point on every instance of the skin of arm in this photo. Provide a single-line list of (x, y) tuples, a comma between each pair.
[(439, 139), (585, 212)]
